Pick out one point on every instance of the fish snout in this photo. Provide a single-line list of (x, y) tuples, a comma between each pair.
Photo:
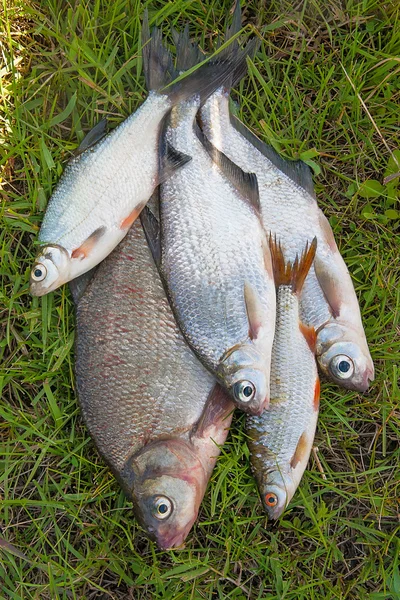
[(172, 539)]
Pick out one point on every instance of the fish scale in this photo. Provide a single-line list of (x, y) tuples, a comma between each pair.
[(280, 440), (212, 244), (126, 336), (290, 211), (155, 413)]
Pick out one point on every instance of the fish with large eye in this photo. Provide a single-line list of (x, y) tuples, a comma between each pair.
[(342, 366), (162, 508)]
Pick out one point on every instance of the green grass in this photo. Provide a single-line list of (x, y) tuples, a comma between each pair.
[(325, 86)]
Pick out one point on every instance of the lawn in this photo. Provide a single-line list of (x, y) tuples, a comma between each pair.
[(325, 87)]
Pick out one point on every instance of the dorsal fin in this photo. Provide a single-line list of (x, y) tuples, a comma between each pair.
[(286, 273), (92, 137), (296, 170), (245, 183)]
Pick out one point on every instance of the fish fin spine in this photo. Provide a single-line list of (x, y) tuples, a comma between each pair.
[(293, 274), (254, 310)]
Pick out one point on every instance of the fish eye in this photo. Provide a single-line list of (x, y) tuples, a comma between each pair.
[(162, 507), (39, 272), (342, 366), (271, 499), (244, 391)]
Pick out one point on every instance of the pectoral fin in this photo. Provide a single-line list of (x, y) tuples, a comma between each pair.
[(87, 246), (217, 408), (255, 310), (330, 286)]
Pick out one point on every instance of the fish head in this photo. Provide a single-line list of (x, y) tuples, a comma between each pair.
[(49, 270), (244, 376), (274, 495), (166, 481), (344, 357)]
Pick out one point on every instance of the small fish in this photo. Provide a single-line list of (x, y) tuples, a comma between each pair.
[(214, 259), (154, 412), (105, 187), (289, 209), (280, 440)]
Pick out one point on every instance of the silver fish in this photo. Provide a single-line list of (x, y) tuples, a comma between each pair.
[(155, 413), (290, 211), (214, 258), (280, 440), (104, 188)]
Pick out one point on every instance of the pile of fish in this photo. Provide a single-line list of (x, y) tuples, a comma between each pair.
[(227, 292)]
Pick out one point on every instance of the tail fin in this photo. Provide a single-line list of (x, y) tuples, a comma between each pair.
[(286, 273), (157, 61), (250, 48), (188, 54)]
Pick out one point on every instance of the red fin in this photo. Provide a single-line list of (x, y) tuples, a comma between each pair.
[(216, 410), (131, 218), (286, 273), (301, 450), (310, 335), (317, 391), (84, 249)]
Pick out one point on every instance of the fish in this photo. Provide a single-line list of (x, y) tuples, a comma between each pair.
[(106, 185), (290, 211), (280, 440), (156, 415), (213, 256)]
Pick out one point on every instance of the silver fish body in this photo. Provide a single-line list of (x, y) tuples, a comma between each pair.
[(103, 190), (290, 211), (216, 264), (154, 412), (280, 440)]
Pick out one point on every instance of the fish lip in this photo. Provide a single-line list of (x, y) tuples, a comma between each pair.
[(174, 540)]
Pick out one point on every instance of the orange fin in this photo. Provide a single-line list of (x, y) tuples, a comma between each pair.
[(301, 450), (131, 218), (286, 273), (310, 335), (84, 249), (317, 391)]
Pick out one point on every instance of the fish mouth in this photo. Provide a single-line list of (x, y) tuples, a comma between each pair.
[(368, 377), (173, 540)]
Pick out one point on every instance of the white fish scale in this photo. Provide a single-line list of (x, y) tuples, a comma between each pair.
[(276, 433), (105, 184), (137, 378), (212, 243), (289, 212)]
